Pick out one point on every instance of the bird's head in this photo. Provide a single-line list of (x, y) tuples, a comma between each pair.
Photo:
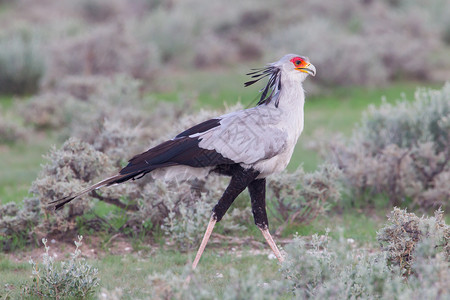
[(292, 66)]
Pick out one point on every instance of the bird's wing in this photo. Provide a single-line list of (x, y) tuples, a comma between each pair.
[(246, 136)]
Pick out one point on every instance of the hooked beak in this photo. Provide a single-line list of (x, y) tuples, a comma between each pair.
[(309, 68)]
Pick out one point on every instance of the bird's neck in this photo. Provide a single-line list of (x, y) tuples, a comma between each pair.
[(291, 103), (292, 94)]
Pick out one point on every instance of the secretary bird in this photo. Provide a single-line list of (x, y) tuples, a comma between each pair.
[(247, 145)]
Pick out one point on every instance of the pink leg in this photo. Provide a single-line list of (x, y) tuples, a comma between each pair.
[(208, 232), (272, 244)]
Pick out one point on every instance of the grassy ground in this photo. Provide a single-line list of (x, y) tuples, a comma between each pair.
[(132, 272), (20, 165)]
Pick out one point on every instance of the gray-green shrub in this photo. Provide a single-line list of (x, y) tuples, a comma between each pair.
[(11, 131), (98, 10), (81, 86), (22, 64), (189, 209), (324, 268), (105, 50), (48, 111), (110, 127), (187, 219), (113, 118), (16, 224), (72, 279), (437, 13), (67, 171), (401, 150), (301, 197), (327, 268), (403, 233)]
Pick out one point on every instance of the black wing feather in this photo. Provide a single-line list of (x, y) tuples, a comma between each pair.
[(202, 127), (179, 151)]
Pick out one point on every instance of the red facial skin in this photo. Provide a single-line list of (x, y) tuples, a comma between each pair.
[(298, 62)]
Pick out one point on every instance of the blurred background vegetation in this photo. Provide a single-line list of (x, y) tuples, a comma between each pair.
[(85, 85)]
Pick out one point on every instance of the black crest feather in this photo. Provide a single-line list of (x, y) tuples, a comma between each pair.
[(273, 87)]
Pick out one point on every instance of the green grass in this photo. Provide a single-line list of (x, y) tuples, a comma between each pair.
[(12, 274), (353, 224), (6, 102), (133, 273), (19, 166), (21, 161)]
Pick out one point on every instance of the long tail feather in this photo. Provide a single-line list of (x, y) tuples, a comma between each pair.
[(58, 204)]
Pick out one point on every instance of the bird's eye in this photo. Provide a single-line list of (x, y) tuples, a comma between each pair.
[(297, 61)]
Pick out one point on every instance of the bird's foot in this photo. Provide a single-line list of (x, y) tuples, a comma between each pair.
[(273, 246)]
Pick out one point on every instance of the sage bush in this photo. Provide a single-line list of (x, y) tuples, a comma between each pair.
[(404, 232), (400, 150), (48, 111), (11, 132), (301, 197), (17, 224), (106, 50), (72, 279), (67, 171), (22, 63)]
